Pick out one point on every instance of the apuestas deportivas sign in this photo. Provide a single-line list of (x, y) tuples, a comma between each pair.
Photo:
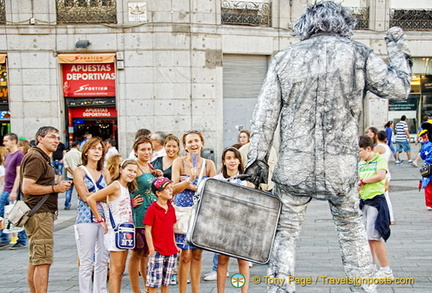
[(93, 112), (89, 80)]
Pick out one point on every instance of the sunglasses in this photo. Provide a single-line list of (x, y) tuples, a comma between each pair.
[(192, 131), (142, 138)]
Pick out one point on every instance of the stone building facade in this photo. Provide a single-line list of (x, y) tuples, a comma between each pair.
[(173, 65)]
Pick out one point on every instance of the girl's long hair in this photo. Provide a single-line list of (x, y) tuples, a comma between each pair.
[(131, 186), (92, 142), (237, 155)]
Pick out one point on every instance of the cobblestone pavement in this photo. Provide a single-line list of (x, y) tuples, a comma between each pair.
[(409, 249)]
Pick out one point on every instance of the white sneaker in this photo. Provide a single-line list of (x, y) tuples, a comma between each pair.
[(384, 275), (250, 264), (212, 276)]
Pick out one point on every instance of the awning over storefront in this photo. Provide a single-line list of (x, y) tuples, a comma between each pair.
[(86, 58), (2, 58)]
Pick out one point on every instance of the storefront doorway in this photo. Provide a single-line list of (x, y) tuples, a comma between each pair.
[(98, 121)]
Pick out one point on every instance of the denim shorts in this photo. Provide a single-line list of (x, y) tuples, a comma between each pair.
[(403, 146)]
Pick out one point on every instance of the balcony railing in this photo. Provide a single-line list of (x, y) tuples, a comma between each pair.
[(2, 12), (246, 13), (420, 19), (86, 11), (362, 16)]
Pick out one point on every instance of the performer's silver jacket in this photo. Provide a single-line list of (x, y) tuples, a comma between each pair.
[(316, 87)]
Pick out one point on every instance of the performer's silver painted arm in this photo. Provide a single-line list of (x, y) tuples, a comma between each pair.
[(266, 115), (392, 81)]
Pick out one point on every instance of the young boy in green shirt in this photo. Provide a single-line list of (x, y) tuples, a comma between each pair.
[(372, 176)]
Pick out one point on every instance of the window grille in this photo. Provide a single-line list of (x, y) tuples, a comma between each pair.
[(86, 11), (420, 19), (246, 13)]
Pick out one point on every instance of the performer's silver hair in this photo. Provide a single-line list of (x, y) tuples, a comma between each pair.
[(325, 16)]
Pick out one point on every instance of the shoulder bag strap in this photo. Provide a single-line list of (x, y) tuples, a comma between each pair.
[(109, 210), (37, 206), (89, 176)]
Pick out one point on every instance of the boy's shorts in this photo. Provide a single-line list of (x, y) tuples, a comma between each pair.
[(370, 214), (403, 146), (160, 269)]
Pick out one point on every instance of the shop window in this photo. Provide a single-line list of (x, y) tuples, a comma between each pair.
[(86, 11)]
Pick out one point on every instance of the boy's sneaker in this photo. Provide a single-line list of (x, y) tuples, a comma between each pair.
[(384, 275), (410, 161), (17, 246), (174, 279), (398, 162)]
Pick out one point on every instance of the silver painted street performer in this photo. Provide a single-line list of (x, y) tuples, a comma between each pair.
[(316, 89)]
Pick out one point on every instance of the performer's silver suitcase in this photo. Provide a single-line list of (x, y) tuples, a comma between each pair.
[(234, 220)]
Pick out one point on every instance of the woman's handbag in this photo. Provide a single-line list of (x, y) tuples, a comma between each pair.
[(184, 214), (426, 170), (124, 234)]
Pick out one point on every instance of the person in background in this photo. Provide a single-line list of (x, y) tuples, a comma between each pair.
[(383, 149), (111, 149), (141, 200), (185, 175), (143, 132), (172, 149), (57, 160), (402, 140), (159, 228), (372, 132), (372, 170), (389, 131), (244, 137), (113, 166), (12, 166), (117, 196), (71, 161), (420, 138), (3, 152), (37, 179), (231, 166), (158, 140), (426, 155), (87, 136), (89, 178), (24, 146)]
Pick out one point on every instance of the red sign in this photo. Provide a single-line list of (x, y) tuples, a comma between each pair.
[(95, 112), (89, 80)]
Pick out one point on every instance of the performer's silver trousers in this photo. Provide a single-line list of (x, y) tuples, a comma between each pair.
[(356, 256)]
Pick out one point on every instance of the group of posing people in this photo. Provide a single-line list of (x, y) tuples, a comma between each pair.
[(143, 192)]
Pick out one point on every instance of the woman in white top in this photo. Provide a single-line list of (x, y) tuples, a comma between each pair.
[(117, 195), (383, 149), (89, 178)]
